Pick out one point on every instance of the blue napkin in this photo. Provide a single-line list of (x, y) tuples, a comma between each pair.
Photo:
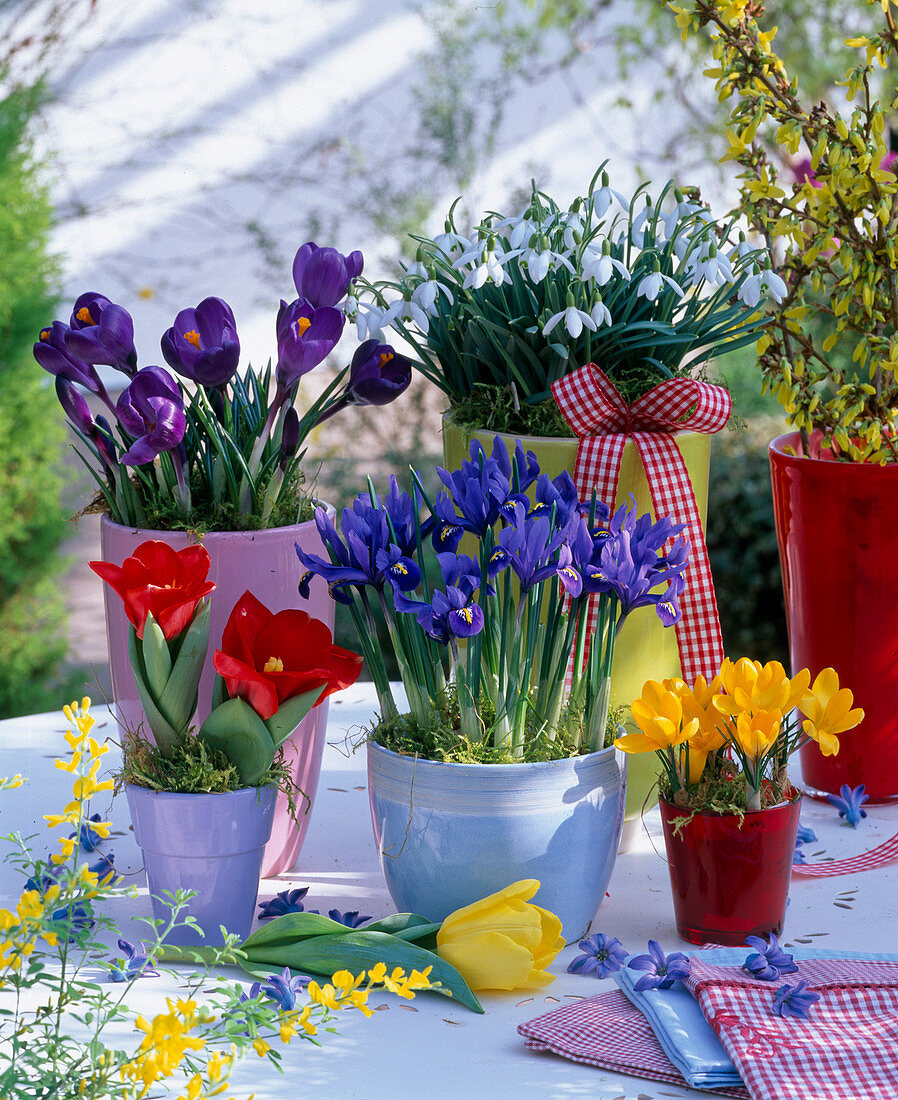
[(680, 1026)]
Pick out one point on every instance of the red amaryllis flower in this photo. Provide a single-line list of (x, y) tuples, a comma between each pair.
[(159, 579), (267, 658)]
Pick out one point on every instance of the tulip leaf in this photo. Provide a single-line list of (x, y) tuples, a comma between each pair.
[(156, 657), (290, 713), (235, 729), (361, 950), (164, 735), (219, 691), (293, 927), (407, 926), (179, 698)]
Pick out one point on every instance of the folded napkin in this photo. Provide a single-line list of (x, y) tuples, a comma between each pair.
[(848, 1047), (606, 1031), (678, 1022)]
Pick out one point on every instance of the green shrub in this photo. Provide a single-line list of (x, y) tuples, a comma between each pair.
[(32, 613), (742, 544)]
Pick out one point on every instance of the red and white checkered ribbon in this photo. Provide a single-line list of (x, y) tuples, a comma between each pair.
[(887, 852), (594, 408)]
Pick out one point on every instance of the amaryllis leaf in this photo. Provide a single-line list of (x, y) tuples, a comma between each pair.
[(156, 657), (163, 733), (363, 950), (180, 695), (290, 713), (292, 928), (235, 729)]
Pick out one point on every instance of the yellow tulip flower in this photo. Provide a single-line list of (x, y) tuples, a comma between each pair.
[(502, 941), (755, 733), (828, 711)]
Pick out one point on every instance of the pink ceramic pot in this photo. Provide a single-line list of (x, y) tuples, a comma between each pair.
[(265, 562)]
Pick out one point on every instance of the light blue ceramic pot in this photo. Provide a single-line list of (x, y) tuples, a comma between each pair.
[(210, 843), (449, 834)]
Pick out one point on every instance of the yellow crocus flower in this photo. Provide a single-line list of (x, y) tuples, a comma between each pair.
[(659, 715), (502, 941), (828, 711), (755, 733)]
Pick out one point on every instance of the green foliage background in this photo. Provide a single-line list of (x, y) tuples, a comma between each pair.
[(32, 613)]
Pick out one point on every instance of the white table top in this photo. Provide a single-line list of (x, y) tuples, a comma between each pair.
[(432, 1048)]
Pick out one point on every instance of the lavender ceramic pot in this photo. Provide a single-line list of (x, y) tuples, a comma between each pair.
[(264, 562), (210, 843)]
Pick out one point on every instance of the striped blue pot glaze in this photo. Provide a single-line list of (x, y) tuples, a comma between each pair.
[(449, 834)]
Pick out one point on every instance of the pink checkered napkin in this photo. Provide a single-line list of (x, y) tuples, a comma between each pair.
[(846, 1050), (606, 1031)]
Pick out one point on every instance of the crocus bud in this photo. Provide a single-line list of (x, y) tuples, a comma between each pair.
[(74, 406), (322, 275)]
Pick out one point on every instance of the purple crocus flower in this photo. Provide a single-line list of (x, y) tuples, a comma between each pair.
[(102, 332), (281, 988), (53, 355), (604, 955), (322, 275), (663, 970), (151, 410), (794, 1001), (849, 804), (351, 918), (286, 901), (202, 344), (136, 964), (768, 961), (377, 375), (306, 336)]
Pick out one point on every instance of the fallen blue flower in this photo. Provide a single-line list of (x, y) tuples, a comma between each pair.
[(849, 804), (137, 963), (604, 955), (351, 918), (794, 1001), (768, 961), (663, 970), (287, 901), (805, 835), (88, 838), (281, 988)]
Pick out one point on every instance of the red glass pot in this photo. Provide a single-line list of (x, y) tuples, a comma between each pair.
[(837, 529), (729, 873)]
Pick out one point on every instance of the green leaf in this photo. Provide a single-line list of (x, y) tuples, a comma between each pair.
[(363, 950), (235, 729), (409, 926), (156, 657), (165, 736), (178, 700), (293, 927), (289, 714)]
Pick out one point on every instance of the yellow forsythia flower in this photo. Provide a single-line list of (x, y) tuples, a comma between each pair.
[(502, 941), (828, 711)]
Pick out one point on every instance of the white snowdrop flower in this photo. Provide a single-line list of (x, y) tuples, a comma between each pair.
[(521, 232), (651, 285), (682, 210), (404, 309), (489, 269), (369, 322), (600, 313), (537, 263), (714, 267), (448, 243), (414, 271), (742, 248), (774, 284), (601, 199), (574, 321), (750, 291), (600, 266), (425, 296)]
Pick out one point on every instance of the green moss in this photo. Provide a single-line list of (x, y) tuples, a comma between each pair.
[(722, 793), (498, 409), (193, 769), (441, 739)]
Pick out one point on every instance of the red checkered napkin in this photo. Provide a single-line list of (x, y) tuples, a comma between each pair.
[(846, 1050), (606, 1031)]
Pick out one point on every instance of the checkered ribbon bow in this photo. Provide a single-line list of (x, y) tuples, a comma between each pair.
[(603, 422)]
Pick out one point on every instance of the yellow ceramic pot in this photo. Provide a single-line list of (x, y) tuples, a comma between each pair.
[(645, 650)]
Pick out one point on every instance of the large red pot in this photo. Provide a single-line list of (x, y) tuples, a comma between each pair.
[(730, 873), (837, 528), (265, 562)]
